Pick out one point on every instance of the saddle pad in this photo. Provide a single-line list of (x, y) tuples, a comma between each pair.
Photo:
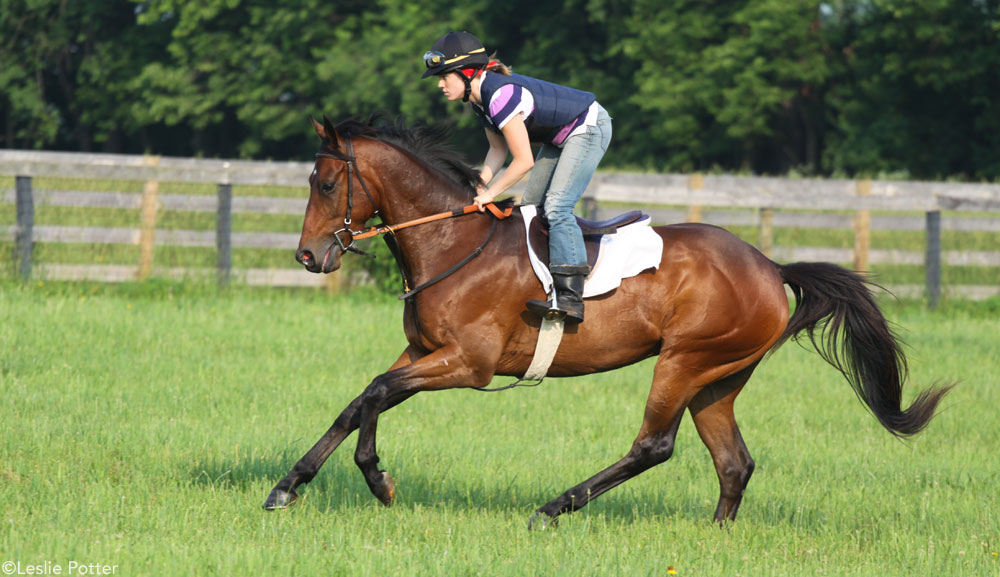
[(633, 249)]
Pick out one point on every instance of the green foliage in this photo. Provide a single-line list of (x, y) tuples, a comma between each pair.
[(65, 70), (922, 88), (816, 87)]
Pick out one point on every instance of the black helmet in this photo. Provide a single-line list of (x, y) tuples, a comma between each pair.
[(454, 51)]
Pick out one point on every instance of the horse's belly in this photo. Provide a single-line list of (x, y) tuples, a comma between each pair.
[(606, 340)]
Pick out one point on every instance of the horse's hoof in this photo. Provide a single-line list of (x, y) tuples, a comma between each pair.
[(279, 499), (386, 490), (542, 521)]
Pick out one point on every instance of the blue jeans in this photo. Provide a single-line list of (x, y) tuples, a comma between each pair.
[(557, 181)]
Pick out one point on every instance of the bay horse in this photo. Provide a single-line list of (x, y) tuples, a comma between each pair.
[(711, 312)]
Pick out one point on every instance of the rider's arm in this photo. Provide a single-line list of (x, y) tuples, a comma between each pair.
[(495, 158), (515, 139)]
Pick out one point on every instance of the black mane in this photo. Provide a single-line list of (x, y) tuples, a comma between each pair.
[(429, 143)]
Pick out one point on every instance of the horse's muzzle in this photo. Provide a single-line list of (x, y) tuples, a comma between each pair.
[(308, 259)]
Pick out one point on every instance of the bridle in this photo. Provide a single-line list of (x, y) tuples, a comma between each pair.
[(352, 169)]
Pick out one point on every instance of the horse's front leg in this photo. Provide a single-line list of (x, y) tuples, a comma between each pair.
[(284, 493), (445, 368)]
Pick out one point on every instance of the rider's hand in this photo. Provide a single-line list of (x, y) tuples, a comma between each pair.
[(483, 198)]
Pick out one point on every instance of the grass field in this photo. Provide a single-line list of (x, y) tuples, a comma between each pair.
[(143, 426)]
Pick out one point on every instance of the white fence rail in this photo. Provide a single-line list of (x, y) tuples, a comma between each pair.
[(708, 198)]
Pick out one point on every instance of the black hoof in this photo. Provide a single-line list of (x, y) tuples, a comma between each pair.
[(541, 521), (279, 499)]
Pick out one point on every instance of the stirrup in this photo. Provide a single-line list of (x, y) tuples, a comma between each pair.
[(546, 310)]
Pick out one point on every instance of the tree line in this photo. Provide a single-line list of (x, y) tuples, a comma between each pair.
[(835, 87)]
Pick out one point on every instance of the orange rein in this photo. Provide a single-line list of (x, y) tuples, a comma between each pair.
[(377, 230)]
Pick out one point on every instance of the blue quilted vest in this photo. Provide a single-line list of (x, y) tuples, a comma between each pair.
[(555, 105)]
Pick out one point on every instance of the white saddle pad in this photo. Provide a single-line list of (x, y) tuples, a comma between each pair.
[(633, 249)]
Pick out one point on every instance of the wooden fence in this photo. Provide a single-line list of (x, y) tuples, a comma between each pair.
[(702, 195)]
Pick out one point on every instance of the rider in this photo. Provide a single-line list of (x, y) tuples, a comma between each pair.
[(572, 128)]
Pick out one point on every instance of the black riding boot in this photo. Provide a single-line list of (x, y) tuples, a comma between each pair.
[(569, 299)]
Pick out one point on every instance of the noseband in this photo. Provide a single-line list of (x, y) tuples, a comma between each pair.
[(352, 169)]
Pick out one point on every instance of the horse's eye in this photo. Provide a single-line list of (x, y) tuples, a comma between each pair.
[(327, 187)]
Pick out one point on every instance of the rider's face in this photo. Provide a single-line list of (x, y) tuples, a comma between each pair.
[(452, 85)]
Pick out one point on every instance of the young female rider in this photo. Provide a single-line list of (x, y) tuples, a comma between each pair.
[(572, 128)]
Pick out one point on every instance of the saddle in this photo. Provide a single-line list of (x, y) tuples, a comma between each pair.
[(538, 234)]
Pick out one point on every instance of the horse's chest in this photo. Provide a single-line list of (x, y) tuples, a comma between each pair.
[(419, 333)]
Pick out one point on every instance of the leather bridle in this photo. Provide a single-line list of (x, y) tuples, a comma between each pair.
[(352, 169)]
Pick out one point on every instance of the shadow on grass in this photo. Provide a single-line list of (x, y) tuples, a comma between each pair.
[(340, 488)]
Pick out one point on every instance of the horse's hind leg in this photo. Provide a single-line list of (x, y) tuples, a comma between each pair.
[(674, 384), (306, 468), (712, 412)]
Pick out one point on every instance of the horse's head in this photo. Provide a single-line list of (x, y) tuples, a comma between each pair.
[(338, 197)]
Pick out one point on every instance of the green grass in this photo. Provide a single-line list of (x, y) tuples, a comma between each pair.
[(166, 256), (143, 425)]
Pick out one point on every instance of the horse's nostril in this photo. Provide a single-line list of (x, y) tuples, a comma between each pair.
[(306, 257)]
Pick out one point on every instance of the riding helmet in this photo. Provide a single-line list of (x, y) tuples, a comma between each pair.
[(454, 51)]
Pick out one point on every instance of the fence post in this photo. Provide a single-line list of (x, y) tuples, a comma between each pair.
[(147, 230), (695, 183), (862, 229), (933, 260), (765, 237), (24, 236), (224, 233)]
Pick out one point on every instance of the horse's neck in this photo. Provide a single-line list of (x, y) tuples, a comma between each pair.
[(412, 194), (411, 191)]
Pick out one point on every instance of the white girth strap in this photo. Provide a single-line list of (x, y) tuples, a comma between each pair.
[(549, 336)]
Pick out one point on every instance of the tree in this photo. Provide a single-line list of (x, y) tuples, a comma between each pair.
[(64, 67), (920, 90), (819, 86), (735, 84)]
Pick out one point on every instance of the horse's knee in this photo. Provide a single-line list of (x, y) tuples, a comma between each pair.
[(377, 392), (372, 402), (652, 451)]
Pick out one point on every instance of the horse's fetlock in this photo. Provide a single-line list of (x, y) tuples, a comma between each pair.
[(365, 460), (304, 473)]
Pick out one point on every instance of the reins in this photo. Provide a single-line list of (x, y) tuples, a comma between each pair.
[(355, 235), (500, 213)]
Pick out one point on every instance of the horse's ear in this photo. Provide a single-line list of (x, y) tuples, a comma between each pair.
[(331, 133), (320, 130)]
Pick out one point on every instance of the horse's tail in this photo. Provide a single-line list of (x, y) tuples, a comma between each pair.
[(855, 338)]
